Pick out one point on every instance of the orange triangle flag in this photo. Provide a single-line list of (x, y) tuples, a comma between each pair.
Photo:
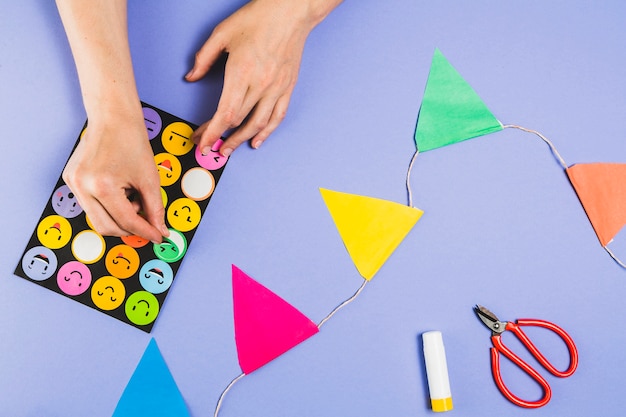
[(371, 228), (601, 188)]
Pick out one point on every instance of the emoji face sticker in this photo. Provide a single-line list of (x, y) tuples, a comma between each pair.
[(184, 214), (88, 246), (169, 168), (198, 184), (108, 293), (122, 261), (142, 308), (213, 160), (172, 248), (156, 276), (74, 278), (54, 231), (135, 241), (39, 263), (153, 122), (176, 138), (64, 203)]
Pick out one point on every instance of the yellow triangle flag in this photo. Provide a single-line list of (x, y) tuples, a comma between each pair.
[(371, 228)]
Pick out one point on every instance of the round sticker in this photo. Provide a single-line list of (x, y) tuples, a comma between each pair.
[(169, 168), (64, 203), (172, 248), (108, 293), (142, 308), (213, 160), (74, 278), (156, 276), (54, 231), (198, 184), (39, 263), (184, 214), (153, 122), (122, 261), (88, 246), (135, 241), (176, 138)]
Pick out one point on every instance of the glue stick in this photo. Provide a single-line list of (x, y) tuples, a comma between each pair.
[(437, 371)]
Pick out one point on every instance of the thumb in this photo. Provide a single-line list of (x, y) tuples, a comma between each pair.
[(153, 208)]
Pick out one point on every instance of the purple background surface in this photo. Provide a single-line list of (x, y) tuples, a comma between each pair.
[(502, 225)]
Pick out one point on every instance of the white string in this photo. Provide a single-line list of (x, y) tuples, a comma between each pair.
[(219, 402), (620, 263), (342, 305), (550, 144), (408, 177)]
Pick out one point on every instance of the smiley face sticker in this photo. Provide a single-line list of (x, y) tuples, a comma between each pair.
[(156, 276), (108, 293), (172, 248), (184, 214), (64, 203), (169, 168), (122, 261), (142, 308), (213, 160), (176, 138), (74, 278), (54, 231), (39, 263), (153, 122)]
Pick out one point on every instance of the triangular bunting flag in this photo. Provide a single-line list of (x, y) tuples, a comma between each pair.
[(266, 326), (151, 391), (451, 110), (371, 228), (601, 188)]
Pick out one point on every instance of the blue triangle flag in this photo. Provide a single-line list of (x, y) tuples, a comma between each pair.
[(151, 391)]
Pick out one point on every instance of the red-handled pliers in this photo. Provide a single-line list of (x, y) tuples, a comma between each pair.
[(498, 327)]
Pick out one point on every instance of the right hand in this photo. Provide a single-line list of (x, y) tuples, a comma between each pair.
[(112, 162)]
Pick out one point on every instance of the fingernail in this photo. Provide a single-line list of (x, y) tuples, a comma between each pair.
[(226, 152), (257, 144), (189, 74), (164, 230), (206, 150)]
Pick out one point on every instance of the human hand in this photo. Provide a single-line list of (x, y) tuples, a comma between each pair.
[(264, 41), (112, 162)]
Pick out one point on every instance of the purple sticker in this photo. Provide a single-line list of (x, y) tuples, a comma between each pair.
[(153, 122), (64, 203)]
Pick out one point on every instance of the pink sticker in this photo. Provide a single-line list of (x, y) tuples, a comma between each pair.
[(74, 278), (213, 160)]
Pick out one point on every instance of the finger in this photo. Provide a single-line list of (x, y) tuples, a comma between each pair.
[(121, 211), (152, 205), (101, 220), (277, 117), (206, 56), (255, 123)]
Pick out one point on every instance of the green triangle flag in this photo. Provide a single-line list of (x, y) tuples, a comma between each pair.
[(151, 391), (451, 110)]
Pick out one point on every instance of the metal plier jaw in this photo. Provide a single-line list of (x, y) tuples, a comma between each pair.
[(490, 320)]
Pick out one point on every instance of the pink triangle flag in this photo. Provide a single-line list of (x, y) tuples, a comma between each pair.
[(601, 189), (266, 326)]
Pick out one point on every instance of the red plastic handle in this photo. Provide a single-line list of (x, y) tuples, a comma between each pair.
[(497, 375), (499, 347), (569, 342)]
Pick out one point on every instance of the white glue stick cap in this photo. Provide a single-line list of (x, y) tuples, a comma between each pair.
[(437, 371)]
